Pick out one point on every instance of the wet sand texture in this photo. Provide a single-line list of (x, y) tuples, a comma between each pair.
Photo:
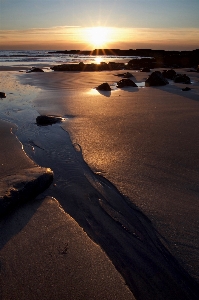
[(44, 254), (110, 219)]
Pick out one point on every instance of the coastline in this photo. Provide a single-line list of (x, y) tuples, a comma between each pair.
[(55, 89)]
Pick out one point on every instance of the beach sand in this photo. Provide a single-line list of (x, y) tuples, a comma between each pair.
[(144, 140), (44, 254)]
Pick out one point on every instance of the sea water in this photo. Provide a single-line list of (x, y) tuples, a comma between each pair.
[(50, 57)]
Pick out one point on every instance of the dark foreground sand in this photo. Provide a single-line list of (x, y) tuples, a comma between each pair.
[(44, 254), (145, 142)]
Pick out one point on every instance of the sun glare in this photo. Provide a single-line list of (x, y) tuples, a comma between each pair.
[(98, 37), (98, 60)]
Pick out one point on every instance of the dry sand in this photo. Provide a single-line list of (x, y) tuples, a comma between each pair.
[(144, 140)]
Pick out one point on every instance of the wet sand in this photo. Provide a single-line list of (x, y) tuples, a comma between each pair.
[(44, 254), (143, 140)]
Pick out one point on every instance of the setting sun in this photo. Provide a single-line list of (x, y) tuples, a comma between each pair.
[(98, 36)]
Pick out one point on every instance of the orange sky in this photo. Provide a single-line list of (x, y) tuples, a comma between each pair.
[(89, 38), (66, 24)]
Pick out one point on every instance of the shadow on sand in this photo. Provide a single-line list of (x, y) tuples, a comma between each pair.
[(112, 221)]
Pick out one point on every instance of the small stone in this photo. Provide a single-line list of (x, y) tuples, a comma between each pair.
[(45, 120), (186, 89), (2, 95)]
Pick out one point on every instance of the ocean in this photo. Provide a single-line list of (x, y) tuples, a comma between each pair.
[(49, 57)]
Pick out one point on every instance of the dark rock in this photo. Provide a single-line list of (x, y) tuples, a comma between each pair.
[(126, 82), (2, 95), (104, 87), (81, 67), (145, 70), (35, 70), (186, 89), (156, 79), (125, 75), (182, 79), (138, 63), (19, 188), (192, 70), (48, 120), (169, 74)]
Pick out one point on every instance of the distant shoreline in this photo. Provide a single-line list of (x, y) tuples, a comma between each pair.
[(181, 59)]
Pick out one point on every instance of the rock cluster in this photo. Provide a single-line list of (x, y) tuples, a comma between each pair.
[(81, 67), (157, 78)]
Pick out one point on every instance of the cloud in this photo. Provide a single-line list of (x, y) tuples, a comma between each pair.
[(76, 35)]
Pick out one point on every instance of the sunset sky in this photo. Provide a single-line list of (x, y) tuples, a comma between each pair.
[(90, 24)]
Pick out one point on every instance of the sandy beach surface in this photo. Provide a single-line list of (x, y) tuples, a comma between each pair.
[(144, 141), (44, 254)]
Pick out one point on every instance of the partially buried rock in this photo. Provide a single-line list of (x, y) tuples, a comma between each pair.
[(126, 82), (22, 187), (45, 120), (103, 87), (36, 70), (182, 79), (2, 95), (156, 79), (186, 89), (125, 75)]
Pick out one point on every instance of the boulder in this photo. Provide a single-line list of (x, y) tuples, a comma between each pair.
[(103, 87), (126, 82), (156, 79), (2, 95), (179, 78), (45, 120), (169, 74)]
